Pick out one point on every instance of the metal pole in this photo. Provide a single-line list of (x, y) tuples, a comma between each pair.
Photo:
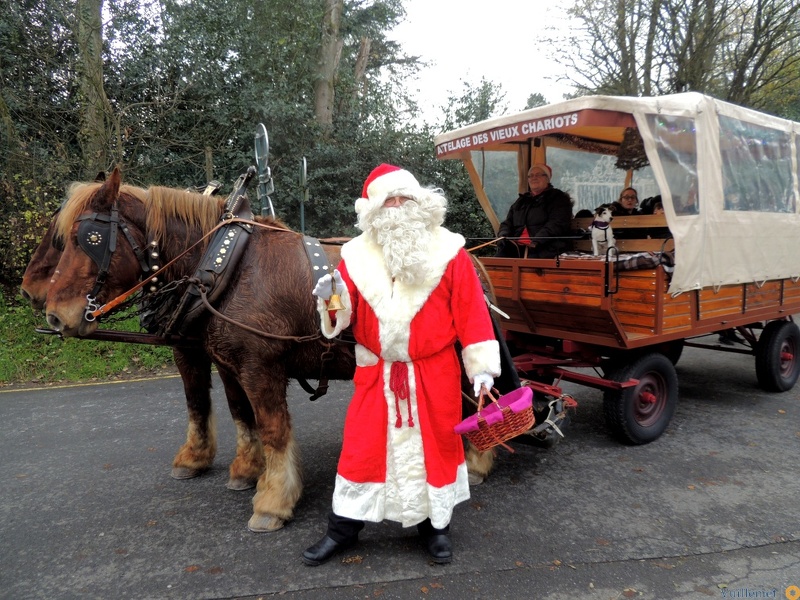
[(303, 194)]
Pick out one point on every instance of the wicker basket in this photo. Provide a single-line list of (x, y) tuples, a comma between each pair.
[(512, 415)]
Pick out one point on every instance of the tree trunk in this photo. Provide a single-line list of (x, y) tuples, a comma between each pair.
[(328, 64), (209, 164), (95, 113), (647, 67), (361, 64)]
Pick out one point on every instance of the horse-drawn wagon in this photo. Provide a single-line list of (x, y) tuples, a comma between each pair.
[(728, 179), (723, 256)]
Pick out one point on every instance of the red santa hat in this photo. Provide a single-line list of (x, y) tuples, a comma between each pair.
[(382, 183)]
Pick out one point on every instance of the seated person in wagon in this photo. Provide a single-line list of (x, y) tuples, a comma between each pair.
[(542, 212), (626, 204)]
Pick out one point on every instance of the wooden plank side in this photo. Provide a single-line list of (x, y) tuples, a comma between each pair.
[(635, 302), (676, 314), (531, 277), (675, 323), (643, 284), (727, 300), (563, 299), (558, 321), (627, 296), (631, 321), (531, 286), (570, 322), (563, 315), (764, 296), (633, 221), (631, 245), (791, 291), (561, 276)]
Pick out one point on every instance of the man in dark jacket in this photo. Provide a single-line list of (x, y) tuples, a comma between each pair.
[(541, 213)]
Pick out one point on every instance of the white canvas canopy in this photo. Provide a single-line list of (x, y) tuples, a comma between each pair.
[(727, 176)]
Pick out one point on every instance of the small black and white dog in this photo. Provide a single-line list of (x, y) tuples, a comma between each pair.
[(602, 234)]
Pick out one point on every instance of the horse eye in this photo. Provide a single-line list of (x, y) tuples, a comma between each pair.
[(58, 243)]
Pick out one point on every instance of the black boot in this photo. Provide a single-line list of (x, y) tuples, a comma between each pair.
[(324, 549), (437, 541), (342, 534)]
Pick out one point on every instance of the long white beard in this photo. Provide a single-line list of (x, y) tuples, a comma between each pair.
[(405, 234)]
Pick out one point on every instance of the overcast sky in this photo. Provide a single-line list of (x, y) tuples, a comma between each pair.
[(498, 42)]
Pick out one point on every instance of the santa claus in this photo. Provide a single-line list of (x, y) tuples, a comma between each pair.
[(409, 292)]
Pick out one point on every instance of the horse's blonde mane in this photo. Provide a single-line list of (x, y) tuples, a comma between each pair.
[(79, 196), (160, 203), (164, 203)]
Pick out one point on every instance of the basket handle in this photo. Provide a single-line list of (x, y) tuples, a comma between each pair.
[(486, 393)]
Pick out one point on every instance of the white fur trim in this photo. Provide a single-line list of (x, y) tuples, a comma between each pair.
[(342, 317), (367, 501), (395, 304), (365, 357), (482, 357)]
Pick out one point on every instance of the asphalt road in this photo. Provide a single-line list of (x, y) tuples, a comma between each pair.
[(710, 510)]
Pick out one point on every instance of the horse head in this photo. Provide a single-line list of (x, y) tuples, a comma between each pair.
[(36, 279), (98, 229), (42, 264)]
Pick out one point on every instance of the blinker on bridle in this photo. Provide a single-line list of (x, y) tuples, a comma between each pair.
[(97, 237)]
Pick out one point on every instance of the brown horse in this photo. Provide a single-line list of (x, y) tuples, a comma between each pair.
[(270, 293), (194, 366)]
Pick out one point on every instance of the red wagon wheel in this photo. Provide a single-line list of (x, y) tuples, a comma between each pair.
[(777, 364), (640, 414)]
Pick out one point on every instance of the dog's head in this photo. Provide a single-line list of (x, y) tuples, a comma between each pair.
[(604, 213)]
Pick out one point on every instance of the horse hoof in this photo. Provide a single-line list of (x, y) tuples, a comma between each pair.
[(186, 472), (266, 523), (240, 483), (475, 479)]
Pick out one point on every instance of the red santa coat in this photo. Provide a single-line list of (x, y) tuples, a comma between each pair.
[(400, 458)]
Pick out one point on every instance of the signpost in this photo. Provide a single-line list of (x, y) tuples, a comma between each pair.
[(265, 183)]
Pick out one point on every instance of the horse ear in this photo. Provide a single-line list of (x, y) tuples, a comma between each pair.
[(101, 176), (109, 191)]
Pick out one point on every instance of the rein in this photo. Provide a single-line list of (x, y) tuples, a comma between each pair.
[(275, 336), (92, 313), (112, 304)]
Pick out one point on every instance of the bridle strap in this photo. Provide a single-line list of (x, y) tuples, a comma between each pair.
[(97, 311), (110, 247), (144, 259)]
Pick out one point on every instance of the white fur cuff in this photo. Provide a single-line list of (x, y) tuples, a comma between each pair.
[(482, 357), (329, 330)]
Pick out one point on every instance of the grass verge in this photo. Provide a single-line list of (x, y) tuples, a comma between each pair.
[(27, 357)]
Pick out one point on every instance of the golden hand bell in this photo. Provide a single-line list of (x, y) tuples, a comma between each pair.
[(335, 303)]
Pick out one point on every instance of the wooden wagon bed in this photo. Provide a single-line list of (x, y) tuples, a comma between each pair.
[(569, 298), (591, 300)]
